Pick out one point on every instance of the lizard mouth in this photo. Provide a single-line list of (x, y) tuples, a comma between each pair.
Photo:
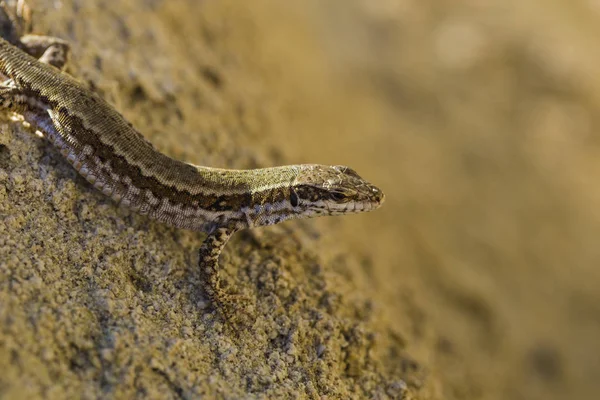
[(354, 207)]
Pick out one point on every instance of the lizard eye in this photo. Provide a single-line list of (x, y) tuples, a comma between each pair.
[(294, 199), (338, 196)]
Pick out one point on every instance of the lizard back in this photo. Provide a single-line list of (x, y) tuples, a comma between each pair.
[(124, 165)]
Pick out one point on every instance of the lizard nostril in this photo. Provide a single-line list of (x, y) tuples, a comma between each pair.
[(378, 194)]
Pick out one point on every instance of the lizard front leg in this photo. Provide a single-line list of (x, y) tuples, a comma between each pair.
[(208, 262), (47, 49), (15, 27)]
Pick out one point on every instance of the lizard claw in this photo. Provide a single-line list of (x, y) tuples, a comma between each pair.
[(23, 15), (235, 309)]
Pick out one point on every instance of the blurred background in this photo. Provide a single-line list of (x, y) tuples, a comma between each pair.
[(479, 121)]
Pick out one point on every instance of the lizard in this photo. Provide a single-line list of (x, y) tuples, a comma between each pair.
[(117, 160)]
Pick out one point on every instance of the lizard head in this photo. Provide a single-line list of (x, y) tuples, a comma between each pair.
[(332, 190)]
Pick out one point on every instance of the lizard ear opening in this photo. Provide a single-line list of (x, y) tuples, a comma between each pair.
[(294, 198)]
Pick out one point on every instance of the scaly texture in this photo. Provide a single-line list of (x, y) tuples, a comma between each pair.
[(117, 160)]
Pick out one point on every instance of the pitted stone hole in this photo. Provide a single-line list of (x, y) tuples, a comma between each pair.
[(213, 76), (4, 156)]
